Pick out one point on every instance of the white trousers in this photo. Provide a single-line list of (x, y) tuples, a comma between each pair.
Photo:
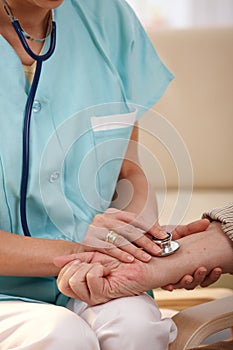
[(132, 323)]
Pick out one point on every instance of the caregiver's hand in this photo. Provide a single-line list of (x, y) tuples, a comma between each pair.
[(188, 229), (96, 278), (122, 235)]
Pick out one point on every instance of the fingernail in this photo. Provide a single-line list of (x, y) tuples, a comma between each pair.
[(217, 273), (169, 288), (130, 258), (156, 249), (202, 273), (146, 256), (76, 262), (188, 281)]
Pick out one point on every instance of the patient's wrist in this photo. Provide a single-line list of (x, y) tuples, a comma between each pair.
[(210, 249)]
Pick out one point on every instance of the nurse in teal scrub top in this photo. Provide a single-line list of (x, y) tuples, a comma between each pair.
[(103, 75)]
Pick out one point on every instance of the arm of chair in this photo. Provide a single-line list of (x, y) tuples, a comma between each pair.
[(198, 322)]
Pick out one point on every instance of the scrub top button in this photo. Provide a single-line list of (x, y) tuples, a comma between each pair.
[(36, 107), (54, 176)]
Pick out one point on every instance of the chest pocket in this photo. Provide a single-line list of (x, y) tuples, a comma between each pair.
[(111, 135)]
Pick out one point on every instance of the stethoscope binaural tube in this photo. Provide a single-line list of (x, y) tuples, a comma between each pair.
[(27, 115)]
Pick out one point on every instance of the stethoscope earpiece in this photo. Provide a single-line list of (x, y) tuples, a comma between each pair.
[(167, 245)]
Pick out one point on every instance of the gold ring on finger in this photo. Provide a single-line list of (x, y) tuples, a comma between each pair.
[(111, 236)]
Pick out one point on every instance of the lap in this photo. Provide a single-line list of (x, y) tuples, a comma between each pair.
[(33, 326), (132, 322)]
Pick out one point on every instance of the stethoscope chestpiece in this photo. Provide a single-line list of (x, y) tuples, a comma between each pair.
[(167, 245)]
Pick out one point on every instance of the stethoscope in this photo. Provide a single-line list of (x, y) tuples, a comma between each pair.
[(28, 108), (167, 245)]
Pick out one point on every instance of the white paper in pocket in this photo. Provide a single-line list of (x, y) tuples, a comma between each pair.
[(115, 121)]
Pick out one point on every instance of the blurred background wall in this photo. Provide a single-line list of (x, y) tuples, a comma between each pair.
[(183, 13)]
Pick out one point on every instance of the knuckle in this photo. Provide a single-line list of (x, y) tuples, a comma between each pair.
[(98, 219), (112, 211), (120, 241), (128, 229), (61, 287), (108, 250), (133, 215), (127, 215)]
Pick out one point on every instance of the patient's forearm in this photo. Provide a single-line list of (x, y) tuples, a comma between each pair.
[(210, 248)]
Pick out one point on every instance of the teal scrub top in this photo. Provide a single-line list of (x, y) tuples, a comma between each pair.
[(103, 75)]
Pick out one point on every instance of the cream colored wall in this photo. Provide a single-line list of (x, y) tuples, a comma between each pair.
[(198, 102)]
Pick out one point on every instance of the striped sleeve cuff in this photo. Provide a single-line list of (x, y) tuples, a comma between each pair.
[(223, 215)]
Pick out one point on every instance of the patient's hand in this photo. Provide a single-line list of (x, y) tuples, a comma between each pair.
[(97, 278), (199, 278)]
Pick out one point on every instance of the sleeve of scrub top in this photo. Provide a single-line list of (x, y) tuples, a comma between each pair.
[(144, 76)]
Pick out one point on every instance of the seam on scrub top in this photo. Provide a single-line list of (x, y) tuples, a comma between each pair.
[(4, 189)]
